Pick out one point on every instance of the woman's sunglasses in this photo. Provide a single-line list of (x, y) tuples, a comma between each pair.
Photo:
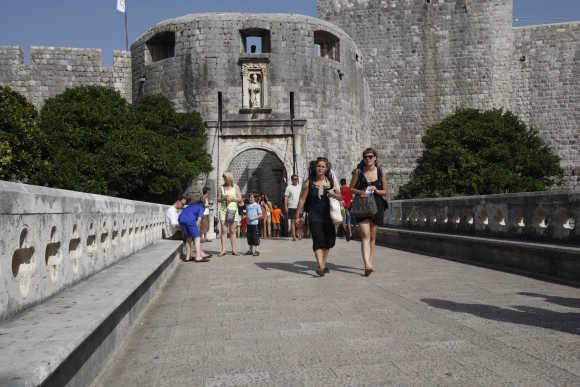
[(368, 156)]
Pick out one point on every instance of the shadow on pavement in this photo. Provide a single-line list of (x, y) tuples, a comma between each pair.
[(563, 301), (520, 314), (306, 267)]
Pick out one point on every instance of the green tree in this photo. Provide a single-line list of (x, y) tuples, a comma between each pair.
[(21, 141), (98, 143), (167, 150), (77, 124), (476, 153)]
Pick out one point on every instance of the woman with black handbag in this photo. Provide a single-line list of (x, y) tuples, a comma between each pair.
[(369, 184), (315, 194)]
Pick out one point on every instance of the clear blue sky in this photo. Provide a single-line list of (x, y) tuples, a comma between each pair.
[(96, 24)]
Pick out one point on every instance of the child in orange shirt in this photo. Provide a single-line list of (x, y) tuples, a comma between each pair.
[(276, 215)]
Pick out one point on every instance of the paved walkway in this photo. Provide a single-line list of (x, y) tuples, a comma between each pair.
[(417, 321)]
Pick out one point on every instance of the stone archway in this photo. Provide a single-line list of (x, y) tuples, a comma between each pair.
[(261, 171)]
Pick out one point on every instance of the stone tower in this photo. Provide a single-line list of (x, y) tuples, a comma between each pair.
[(423, 59), (256, 61)]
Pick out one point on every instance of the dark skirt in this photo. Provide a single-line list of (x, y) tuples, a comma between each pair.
[(323, 235), (377, 219)]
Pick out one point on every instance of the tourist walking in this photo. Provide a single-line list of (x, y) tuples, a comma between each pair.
[(188, 224), (253, 215), (315, 195), (346, 201), (369, 180), (291, 197), (268, 217), (229, 196), (204, 225), (264, 219)]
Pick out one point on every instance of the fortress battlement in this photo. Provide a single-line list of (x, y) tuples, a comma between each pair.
[(54, 69)]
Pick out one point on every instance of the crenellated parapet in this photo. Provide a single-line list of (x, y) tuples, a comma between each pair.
[(54, 69)]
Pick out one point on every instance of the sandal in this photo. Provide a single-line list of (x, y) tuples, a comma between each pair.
[(221, 254), (256, 254), (201, 260), (368, 271), (249, 252), (234, 253)]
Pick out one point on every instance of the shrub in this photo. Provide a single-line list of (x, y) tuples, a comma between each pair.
[(475, 153)]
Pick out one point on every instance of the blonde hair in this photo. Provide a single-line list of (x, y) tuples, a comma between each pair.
[(229, 178)]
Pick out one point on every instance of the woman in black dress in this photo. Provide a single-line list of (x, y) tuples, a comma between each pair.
[(315, 193), (369, 178)]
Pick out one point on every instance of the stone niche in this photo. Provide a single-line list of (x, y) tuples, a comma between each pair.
[(255, 85)]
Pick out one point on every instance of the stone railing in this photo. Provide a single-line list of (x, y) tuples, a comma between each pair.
[(51, 239), (550, 216)]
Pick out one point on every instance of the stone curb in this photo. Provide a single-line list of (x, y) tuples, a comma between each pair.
[(555, 263), (69, 338)]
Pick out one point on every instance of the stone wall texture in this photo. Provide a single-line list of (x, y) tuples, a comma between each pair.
[(330, 95), (546, 88), (424, 59), (54, 69)]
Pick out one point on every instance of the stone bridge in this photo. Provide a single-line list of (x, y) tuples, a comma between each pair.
[(468, 291)]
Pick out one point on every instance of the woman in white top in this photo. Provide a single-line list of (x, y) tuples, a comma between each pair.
[(229, 196)]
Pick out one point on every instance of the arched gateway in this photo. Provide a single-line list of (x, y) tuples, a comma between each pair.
[(259, 170)]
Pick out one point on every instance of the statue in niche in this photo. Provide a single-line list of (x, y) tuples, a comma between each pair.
[(255, 90)]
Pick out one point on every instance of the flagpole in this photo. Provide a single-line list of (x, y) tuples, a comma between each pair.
[(126, 33)]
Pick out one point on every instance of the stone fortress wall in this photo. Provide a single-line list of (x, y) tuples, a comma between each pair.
[(546, 88), (331, 96), (403, 64), (54, 69), (425, 58)]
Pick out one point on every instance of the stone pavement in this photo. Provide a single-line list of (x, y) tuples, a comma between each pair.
[(418, 320)]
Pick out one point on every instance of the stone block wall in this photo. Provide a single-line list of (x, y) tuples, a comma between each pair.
[(330, 95), (424, 59), (54, 69), (546, 88)]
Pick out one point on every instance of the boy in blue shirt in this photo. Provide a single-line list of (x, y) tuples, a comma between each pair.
[(188, 224), (253, 214)]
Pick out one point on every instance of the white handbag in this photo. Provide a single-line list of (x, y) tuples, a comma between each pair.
[(335, 211)]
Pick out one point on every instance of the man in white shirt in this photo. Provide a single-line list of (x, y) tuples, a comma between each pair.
[(172, 230), (291, 197)]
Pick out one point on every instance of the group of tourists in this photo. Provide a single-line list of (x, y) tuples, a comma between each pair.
[(311, 206)]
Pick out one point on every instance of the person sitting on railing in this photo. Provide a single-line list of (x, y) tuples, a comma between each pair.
[(172, 230)]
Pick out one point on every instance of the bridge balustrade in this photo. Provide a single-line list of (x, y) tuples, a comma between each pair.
[(550, 216), (51, 239)]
